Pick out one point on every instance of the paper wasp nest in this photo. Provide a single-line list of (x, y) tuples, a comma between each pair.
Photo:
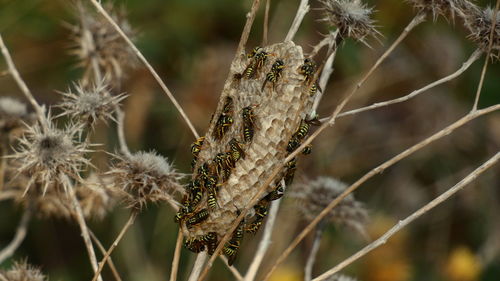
[(278, 110)]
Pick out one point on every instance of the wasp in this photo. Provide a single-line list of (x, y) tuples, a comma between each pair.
[(248, 123), (275, 194), (291, 166), (313, 121), (228, 106), (275, 73), (292, 144), (203, 171), (210, 239), (231, 248), (197, 218), (229, 161), (183, 212), (307, 150), (236, 150), (194, 244), (211, 186), (259, 58), (222, 125), (254, 52), (253, 227), (302, 131), (308, 69), (196, 146)]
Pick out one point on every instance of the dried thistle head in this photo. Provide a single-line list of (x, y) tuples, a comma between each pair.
[(479, 23), (88, 104), (50, 156), (445, 8), (12, 115), (351, 17), (312, 197), (95, 41), (145, 177), (22, 271)]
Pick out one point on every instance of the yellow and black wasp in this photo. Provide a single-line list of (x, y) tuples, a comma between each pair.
[(275, 73), (236, 150), (254, 52), (231, 248), (258, 58), (197, 218), (260, 214), (222, 126), (228, 106), (291, 167), (302, 131), (276, 194), (308, 69), (211, 186), (210, 239), (195, 150), (248, 123), (194, 244), (292, 144), (307, 150)]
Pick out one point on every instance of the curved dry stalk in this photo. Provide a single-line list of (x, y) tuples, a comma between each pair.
[(487, 59), (403, 223), (7, 195), (233, 270), (442, 133), (164, 87), (127, 225), (21, 231), (3, 278), (177, 256), (314, 252), (323, 80), (266, 23), (246, 29), (120, 118), (198, 266), (297, 21), (103, 251), (83, 228), (419, 18), (264, 243), (474, 57), (20, 82)]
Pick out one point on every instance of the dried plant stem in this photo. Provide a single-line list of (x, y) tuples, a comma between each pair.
[(323, 80), (233, 270), (297, 21), (266, 23), (3, 278), (487, 59), (3, 164), (246, 29), (403, 223), (264, 243), (120, 119), (111, 264), (127, 225), (21, 231), (474, 57), (442, 133), (324, 42), (20, 82), (101, 10), (84, 229), (7, 195), (311, 259), (177, 256), (416, 20), (198, 266)]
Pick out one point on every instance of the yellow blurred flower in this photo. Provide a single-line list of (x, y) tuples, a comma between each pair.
[(286, 273), (462, 265)]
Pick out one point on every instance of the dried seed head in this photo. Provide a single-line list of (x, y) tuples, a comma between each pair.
[(312, 197), (479, 23), (145, 177), (445, 8), (12, 115), (351, 17), (96, 41), (48, 155), (90, 104), (96, 196), (22, 271)]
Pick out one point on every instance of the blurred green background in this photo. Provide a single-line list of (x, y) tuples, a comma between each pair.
[(191, 43)]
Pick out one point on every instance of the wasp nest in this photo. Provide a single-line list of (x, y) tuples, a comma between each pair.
[(260, 119)]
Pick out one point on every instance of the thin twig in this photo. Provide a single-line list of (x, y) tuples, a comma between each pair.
[(8, 194), (103, 251), (147, 64), (314, 252), (442, 133), (297, 21), (416, 20), (198, 266), (474, 57), (266, 23), (487, 59), (233, 270), (20, 82), (246, 29), (127, 225), (83, 228), (264, 243), (120, 119), (324, 42), (177, 256), (21, 231), (403, 223)]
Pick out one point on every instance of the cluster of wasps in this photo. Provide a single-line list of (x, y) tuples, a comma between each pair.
[(215, 172)]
